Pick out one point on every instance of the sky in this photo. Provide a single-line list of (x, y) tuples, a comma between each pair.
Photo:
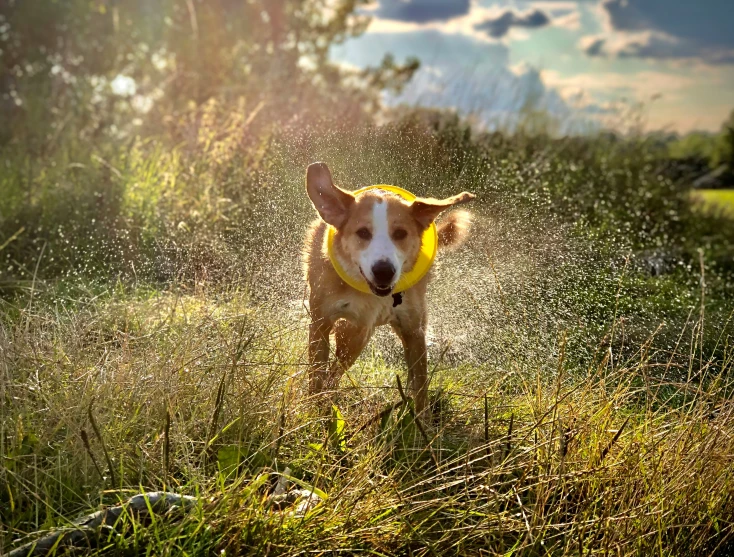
[(666, 63)]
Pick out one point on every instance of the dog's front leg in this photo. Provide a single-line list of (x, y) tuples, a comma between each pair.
[(318, 353), (414, 344), (350, 341)]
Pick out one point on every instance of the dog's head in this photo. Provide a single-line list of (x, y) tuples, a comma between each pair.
[(378, 233)]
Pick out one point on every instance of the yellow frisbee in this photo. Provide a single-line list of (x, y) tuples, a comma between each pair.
[(426, 255)]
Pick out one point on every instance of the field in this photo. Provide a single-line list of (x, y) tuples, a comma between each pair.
[(153, 337), (717, 200), (153, 316)]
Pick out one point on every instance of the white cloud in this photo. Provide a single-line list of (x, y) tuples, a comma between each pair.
[(571, 20), (500, 98), (640, 86), (659, 99)]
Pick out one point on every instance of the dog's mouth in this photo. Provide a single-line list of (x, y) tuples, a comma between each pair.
[(381, 291)]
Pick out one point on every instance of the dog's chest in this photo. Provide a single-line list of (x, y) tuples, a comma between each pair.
[(367, 311)]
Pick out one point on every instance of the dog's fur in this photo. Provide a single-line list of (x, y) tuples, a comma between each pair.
[(392, 241)]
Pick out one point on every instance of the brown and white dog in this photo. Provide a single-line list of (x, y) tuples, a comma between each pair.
[(378, 237)]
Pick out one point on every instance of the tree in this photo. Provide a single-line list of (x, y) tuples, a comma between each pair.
[(725, 147), (59, 57)]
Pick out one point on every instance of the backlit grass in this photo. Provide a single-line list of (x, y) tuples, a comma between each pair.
[(716, 200), (153, 337), (205, 395)]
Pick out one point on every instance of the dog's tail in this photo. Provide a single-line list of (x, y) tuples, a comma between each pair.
[(453, 229)]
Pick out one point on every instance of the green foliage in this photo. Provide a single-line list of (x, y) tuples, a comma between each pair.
[(400, 436), (702, 145), (716, 149), (725, 153), (337, 425), (554, 459), (210, 212), (721, 201)]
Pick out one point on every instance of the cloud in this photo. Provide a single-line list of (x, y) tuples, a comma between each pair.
[(593, 46), (655, 45), (665, 29), (499, 26), (472, 77), (500, 98), (568, 20), (421, 11), (467, 69), (434, 47), (641, 85), (487, 24), (659, 45), (705, 21)]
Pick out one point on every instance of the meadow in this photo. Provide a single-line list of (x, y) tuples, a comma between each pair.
[(153, 337), (717, 200)]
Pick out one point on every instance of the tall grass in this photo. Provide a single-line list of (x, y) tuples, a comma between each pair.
[(203, 394), (153, 337)]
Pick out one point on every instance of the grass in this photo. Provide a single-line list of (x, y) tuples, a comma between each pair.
[(204, 395), (153, 336), (717, 200)]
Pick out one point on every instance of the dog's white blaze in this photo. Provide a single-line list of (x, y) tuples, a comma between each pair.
[(381, 247)]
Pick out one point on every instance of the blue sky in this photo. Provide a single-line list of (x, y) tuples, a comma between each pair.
[(584, 61)]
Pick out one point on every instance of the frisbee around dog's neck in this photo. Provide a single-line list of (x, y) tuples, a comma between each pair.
[(426, 255)]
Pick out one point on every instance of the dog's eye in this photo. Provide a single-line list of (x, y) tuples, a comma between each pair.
[(399, 234), (364, 234)]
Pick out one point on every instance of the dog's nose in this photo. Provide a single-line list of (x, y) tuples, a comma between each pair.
[(384, 272)]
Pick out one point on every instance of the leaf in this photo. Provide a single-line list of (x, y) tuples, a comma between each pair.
[(304, 485), (382, 515), (387, 418), (258, 460), (230, 457), (225, 428), (254, 486), (10, 497), (337, 425), (398, 431), (29, 443)]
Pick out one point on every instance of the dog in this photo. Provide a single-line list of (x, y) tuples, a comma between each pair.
[(376, 238)]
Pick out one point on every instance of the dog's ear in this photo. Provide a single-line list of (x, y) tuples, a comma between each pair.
[(425, 210), (331, 202)]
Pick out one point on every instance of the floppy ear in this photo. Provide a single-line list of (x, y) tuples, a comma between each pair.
[(331, 202), (425, 210)]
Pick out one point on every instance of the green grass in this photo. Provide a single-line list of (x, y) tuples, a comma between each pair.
[(576, 461), (580, 351), (717, 200)]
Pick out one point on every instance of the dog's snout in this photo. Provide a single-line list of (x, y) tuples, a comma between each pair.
[(383, 271)]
